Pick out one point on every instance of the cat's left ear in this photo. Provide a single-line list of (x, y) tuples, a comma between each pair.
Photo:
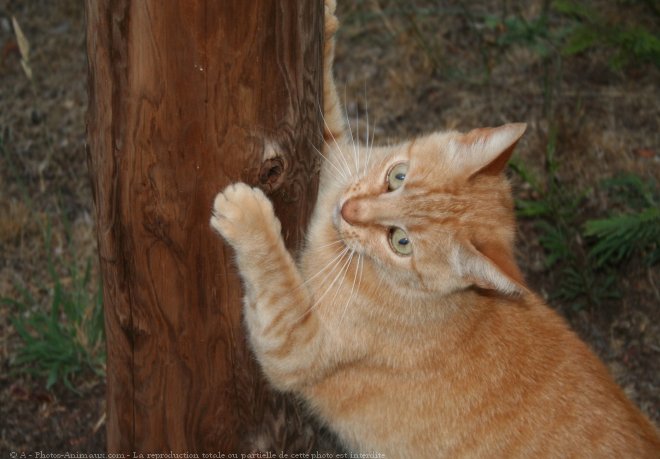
[(487, 150), (489, 266)]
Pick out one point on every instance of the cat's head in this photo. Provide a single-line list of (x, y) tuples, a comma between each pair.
[(431, 215)]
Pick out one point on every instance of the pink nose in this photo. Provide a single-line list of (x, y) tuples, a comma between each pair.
[(350, 211)]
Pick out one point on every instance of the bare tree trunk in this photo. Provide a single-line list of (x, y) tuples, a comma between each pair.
[(187, 96)]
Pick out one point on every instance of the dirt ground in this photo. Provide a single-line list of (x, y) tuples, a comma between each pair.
[(414, 67)]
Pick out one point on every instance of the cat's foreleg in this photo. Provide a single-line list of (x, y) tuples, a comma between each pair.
[(334, 128), (284, 334)]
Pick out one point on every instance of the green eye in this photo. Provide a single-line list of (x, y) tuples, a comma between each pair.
[(396, 176), (399, 241)]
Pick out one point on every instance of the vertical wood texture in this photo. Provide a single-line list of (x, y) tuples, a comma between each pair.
[(187, 96)]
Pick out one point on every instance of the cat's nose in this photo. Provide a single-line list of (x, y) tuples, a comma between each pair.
[(350, 211)]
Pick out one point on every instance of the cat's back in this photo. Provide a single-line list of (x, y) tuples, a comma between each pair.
[(549, 395), (509, 380)]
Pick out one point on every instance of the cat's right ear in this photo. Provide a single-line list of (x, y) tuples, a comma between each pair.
[(489, 267), (487, 150)]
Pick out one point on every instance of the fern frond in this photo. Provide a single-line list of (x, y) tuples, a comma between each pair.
[(618, 237)]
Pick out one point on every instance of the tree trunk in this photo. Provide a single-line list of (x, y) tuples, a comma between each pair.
[(187, 96)]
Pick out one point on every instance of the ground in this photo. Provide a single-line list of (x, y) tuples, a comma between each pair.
[(413, 67)]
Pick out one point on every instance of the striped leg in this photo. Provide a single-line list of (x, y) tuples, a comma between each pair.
[(286, 338)]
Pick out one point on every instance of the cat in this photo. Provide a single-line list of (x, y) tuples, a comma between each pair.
[(406, 325)]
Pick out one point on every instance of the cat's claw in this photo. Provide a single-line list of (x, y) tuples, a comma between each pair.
[(242, 214)]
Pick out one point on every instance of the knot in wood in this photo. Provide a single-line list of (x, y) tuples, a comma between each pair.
[(271, 173)]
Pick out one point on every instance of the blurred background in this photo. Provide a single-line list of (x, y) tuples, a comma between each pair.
[(584, 75)]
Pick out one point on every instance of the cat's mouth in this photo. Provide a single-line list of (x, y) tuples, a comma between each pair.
[(343, 228), (339, 214), (336, 217)]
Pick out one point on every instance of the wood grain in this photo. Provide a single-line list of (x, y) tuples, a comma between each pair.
[(187, 96)]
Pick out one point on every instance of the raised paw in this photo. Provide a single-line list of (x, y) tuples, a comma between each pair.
[(244, 216)]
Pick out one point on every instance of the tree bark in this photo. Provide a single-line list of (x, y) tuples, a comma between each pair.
[(185, 97)]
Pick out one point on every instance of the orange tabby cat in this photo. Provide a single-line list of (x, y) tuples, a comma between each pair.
[(406, 325)]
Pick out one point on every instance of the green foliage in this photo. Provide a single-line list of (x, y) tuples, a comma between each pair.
[(536, 33), (560, 30), (67, 340), (572, 27), (630, 191), (627, 42), (586, 253), (621, 236), (580, 286), (555, 239), (635, 231)]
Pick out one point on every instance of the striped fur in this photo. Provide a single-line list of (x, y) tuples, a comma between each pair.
[(442, 353)]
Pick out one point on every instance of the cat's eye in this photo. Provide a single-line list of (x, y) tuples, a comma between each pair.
[(399, 241), (396, 175)]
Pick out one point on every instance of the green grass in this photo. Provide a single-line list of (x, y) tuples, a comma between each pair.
[(64, 340), (61, 327)]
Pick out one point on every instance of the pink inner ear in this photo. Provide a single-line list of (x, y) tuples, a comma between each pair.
[(496, 166), (503, 259), (490, 265), (498, 144)]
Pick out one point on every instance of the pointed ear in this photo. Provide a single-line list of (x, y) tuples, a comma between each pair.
[(491, 267), (487, 150)]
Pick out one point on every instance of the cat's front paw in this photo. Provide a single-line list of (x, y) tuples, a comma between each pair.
[(243, 215)]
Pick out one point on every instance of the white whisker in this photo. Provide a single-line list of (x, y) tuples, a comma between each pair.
[(350, 296), (341, 153), (330, 264), (366, 112), (373, 135), (348, 265), (329, 244), (334, 265), (369, 144), (357, 138), (331, 284), (350, 131), (361, 268), (343, 174), (344, 163)]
